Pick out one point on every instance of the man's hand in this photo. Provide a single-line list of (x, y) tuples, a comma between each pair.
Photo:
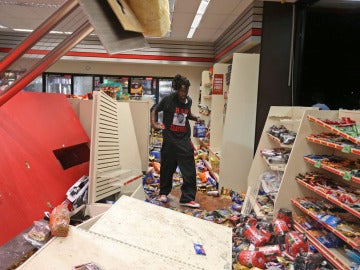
[(159, 126), (199, 120)]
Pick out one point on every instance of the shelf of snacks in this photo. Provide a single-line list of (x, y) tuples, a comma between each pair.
[(336, 256), (330, 190), (327, 145), (275, 158), (334, 141), (345, 127), (278, 141), (275, 145), (319, 161), (335, 222)]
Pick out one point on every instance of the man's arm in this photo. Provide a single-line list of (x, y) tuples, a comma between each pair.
[(153, 119)]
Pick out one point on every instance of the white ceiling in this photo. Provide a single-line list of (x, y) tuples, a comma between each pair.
[(220, 14)]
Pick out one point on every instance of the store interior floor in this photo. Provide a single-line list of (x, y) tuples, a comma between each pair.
[(207, 203)]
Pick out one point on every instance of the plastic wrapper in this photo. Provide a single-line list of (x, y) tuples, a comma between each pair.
[(39, 234), (59, 221)]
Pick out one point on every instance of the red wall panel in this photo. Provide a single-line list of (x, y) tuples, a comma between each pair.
[(32, 125)]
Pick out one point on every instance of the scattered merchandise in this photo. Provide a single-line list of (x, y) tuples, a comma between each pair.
[(60, 221), (77, 194), (199, 249), (39, 234)]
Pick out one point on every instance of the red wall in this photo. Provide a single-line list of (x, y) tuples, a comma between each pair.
[(32, 125)]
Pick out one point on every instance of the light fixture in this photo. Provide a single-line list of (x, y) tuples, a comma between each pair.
[(197, 19), (22, 30), (2, 26)]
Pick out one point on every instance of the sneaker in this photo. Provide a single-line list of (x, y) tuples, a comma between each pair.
[(192, 204), (162, 198)]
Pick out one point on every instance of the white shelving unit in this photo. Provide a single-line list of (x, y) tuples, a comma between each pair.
[(292, 188), (290, 117), (237, 146)]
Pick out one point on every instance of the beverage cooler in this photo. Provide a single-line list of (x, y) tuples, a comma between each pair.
[(165, 88), (137, 87), (58, 83)]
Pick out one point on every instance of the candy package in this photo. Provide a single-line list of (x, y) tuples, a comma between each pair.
[(39, 234)]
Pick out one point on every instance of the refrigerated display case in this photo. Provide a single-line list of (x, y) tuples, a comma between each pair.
[(83, 85), (58, 83), (165, 88)]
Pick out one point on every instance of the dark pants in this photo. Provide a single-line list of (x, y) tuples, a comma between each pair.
[(173, 154)]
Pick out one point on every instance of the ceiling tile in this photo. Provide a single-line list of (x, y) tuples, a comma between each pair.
[(189, 6), (222, 7)]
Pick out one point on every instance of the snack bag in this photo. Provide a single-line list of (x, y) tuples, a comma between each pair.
[(39, 234), (59, 221)]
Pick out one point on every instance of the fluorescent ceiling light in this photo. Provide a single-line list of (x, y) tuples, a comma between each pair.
[(22, 30), (2, 26), (197, 19)]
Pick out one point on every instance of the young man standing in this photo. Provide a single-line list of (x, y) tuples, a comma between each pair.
[(177, 148)]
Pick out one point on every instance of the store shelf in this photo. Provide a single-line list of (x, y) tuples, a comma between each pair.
[(277, 140), (344, 174), (336, 256), (329, 197), (274, 167), (343, 148), (348, 240), (333, 129)]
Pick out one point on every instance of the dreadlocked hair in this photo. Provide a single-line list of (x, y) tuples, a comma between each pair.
[(180, 81)]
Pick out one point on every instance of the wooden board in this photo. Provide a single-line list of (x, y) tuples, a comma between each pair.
[(82, 246), (169, 233)]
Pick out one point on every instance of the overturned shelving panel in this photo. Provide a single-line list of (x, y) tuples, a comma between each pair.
[(114, 161), (134, 234)]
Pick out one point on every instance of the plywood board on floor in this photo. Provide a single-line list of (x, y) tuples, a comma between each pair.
[(167, 232)]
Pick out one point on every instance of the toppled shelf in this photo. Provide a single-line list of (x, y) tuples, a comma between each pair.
[(335, 255)]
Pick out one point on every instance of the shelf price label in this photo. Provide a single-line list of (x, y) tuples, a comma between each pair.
[(317, 164), (347, 176), (346, 149)]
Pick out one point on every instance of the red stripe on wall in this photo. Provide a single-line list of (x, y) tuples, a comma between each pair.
[(250, 33)]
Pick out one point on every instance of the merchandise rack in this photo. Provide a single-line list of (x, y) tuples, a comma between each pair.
[(343, 148), (329, 198), (345, 174), (348, 240), (290, 117), (335, 256), (299, 163)]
